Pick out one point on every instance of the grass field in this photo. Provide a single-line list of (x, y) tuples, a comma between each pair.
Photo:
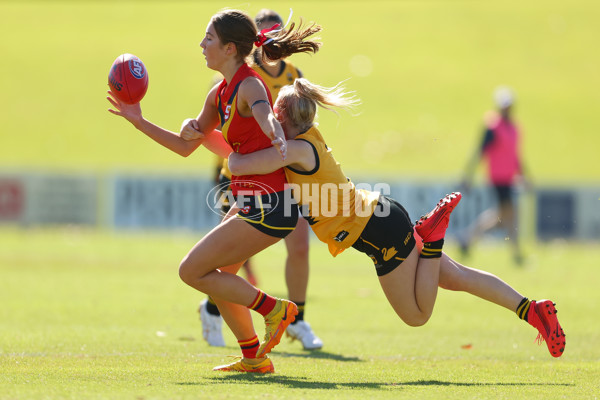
[(91, 315), (424, 70)]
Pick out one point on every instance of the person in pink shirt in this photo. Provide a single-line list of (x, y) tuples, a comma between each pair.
[(500, 149)]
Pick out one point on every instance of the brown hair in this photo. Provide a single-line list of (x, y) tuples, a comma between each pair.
[(234, 26), (298, 103), (265, 15)]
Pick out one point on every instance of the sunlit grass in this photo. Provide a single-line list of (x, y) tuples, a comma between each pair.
[(95, 315)]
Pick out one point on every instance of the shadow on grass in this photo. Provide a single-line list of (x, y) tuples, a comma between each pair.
[(305, 383), (318, 354), (442, 383)]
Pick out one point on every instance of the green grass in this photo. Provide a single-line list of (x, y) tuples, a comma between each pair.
[(93, 315), (434, 66)]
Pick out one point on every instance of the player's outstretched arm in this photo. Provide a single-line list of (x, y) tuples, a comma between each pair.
[(300, 155), (213, 141), (170, 140), (203, 127)]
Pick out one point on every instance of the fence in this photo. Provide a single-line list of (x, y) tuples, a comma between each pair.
[(127, 201)]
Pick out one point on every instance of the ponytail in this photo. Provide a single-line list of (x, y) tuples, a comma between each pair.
[(278, 44), (234, 26), (298, 102)]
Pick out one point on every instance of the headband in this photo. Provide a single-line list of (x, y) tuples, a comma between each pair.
[(262, 39)]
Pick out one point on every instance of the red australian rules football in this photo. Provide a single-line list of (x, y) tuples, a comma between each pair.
[(128, 78)]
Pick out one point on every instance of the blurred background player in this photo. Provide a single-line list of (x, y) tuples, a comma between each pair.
[(500, 147), (276, 76)]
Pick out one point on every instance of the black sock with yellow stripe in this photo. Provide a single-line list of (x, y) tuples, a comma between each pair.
[(432, 249), (211, 307), (300, 316), (523, 308)]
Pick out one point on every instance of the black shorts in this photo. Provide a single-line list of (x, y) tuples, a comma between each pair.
[(269, 213), (225, 189), (503, 194), (388, 240)]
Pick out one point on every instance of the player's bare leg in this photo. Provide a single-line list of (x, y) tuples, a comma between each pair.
[(540, 314), (410, 288), (296, 278), (296, 264), (457, 277), (508, 220)]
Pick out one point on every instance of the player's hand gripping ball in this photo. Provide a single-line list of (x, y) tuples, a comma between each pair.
[(128, 79)]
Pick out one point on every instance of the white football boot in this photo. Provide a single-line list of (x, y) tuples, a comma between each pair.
[(302, 331), (211, 326)]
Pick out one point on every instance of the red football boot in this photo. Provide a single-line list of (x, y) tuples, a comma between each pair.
[(542, 316), (432, 227)]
